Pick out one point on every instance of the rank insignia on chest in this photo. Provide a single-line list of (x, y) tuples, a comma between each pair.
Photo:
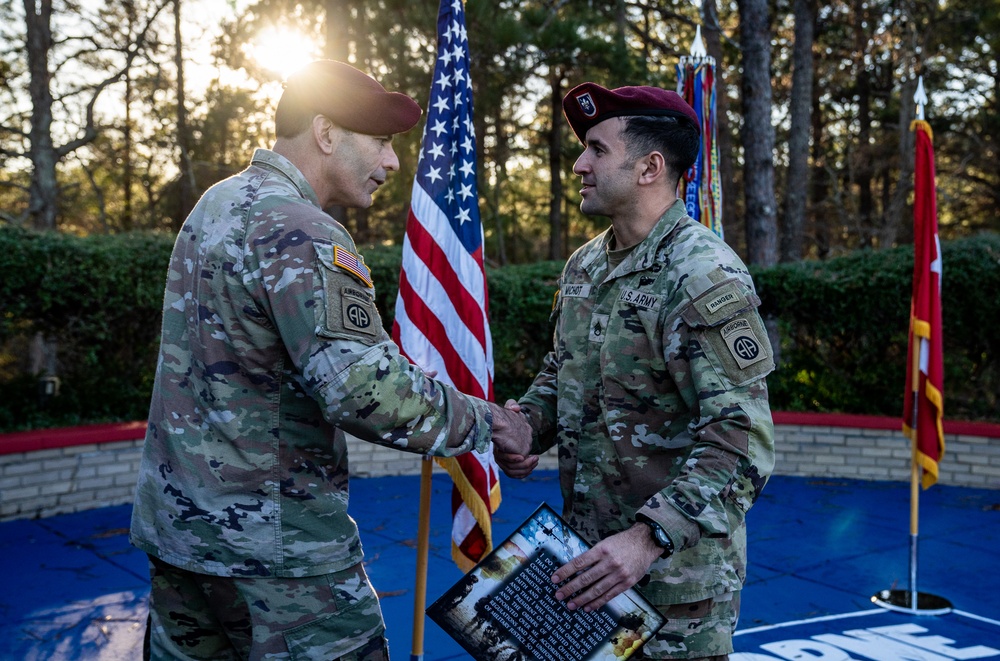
[(599, 327), (353, 264)]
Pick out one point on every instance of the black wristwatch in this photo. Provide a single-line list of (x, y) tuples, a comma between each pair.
[(660, 537)]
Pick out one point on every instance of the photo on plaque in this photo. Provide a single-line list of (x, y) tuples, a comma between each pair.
[(505, 608)]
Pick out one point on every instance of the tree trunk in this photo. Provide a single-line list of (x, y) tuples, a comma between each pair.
[(337, 48), (128, 172), (44, 154), (555, 166), (862, 157), (565, 227), (898, 224), (819, 183), (362, 226), (501, 153), (43, 200), (498, 157), (337, 37), (42, 355), (128, 221), (712, 32), (798, 139), (758, 134), (185, 189)]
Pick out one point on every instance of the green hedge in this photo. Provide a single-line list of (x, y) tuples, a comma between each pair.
[(98, 299), (843, 325)]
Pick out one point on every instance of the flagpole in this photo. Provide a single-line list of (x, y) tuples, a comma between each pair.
[(911, 601), (423, 546), (914, 475)]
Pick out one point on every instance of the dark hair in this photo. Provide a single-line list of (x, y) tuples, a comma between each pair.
[(293, 115), (676, 138)]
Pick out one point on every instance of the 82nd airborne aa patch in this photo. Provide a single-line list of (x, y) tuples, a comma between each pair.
[(743, 343), (358, 311)]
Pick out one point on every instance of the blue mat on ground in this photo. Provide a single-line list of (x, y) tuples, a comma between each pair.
[(74, 589)]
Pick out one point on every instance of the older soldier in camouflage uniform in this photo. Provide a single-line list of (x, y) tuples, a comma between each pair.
[(272, 349), (655, 388)]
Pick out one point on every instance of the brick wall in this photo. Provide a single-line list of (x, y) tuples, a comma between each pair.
[(877, 454), (51, 481), (60, 471)]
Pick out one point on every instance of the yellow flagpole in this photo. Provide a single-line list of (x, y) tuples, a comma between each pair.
[(914, 472), (423, 546)]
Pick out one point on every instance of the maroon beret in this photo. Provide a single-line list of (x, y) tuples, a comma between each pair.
[(589, 104), (351, 99)]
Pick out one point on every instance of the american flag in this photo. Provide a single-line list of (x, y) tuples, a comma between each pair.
[(441, 311)]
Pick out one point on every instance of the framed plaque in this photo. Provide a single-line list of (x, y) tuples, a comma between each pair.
[(505, 607)]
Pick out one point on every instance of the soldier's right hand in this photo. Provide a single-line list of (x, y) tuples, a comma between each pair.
[(511, 431), (517, 466), (515, 462)]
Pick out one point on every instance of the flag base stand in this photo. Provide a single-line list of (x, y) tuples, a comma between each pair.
[(901, 601)]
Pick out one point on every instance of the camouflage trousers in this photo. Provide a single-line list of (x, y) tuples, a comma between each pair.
[(195, 616), (702, 630)]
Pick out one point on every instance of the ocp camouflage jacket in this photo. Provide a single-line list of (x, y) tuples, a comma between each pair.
[(655, 394), (272, 349)]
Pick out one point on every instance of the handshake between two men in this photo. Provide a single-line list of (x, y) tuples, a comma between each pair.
[(512, 440)]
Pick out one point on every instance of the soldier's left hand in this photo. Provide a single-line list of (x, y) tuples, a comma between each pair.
[(612, 566)]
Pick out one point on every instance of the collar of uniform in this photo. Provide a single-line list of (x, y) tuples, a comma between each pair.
[(645, 253), (597, 259), (274, 161)]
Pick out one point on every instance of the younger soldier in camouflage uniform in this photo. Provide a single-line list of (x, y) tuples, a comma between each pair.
[(655, 388), (272, 349)]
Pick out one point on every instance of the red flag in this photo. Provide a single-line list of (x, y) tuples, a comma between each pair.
[(441, 311), (924, 389)]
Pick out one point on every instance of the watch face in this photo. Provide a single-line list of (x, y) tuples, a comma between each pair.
[(661, 537)]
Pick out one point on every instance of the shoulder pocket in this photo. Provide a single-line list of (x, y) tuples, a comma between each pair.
[(348, 308), (720, 303), (725, 317)]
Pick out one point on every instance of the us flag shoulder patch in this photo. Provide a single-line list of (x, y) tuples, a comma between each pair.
[(353, 264)]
